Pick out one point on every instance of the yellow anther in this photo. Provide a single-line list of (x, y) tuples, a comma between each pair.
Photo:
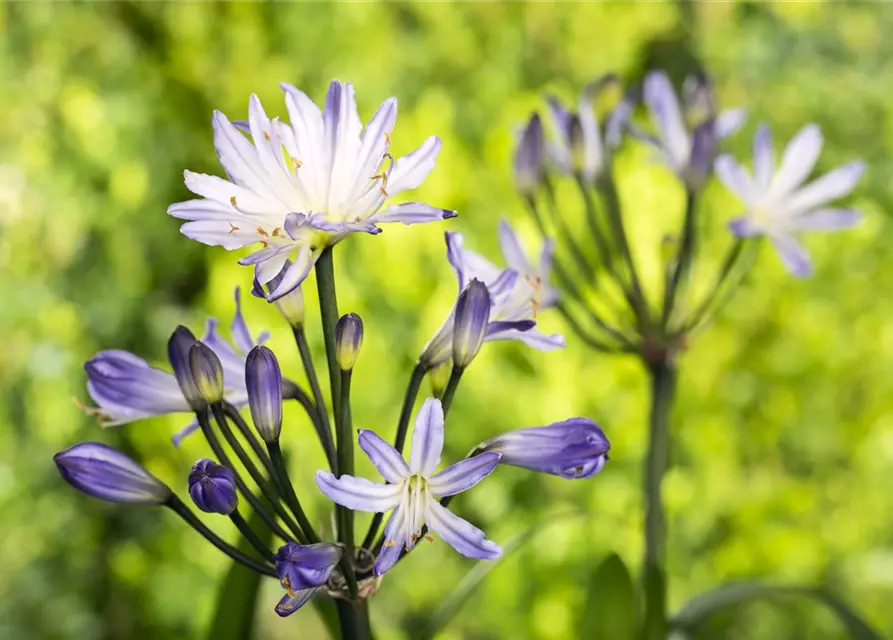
[(429, 538), (298, 164), (387, 138), (384, 192), (287, 585), (390, 543), (266, 136), (276, 232), (232, 227), (232, 200), (261, 231)]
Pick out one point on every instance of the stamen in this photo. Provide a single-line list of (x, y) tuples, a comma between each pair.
[(232, 201), (232, 227), (266, 136), (390, 543), (387, 139), (429, 538), (262, 232), (298, 164), (287, 584), (100, 415), (276, 232)]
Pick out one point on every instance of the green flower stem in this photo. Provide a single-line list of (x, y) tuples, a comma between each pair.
[(679, 279), (344, 439), (321, 421), (354, 621), (249, 534), (223, 459), (268, 492), (663, 389), (450, 391), (328, 308), (291, 497), (176, 505)]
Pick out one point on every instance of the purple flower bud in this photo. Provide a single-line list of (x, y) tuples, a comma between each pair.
[(574, 448), (302, 569), (178, 348), (291, 305), (212, 487), (207, 373), (470, 325), (529, 157), (348, 340), (703, 153), (264, 382), (105, 473)]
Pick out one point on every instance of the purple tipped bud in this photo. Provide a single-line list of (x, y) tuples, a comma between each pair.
[(302, 569), (529, 157), (178, 348), (207, 373), (470, 328), (577, 142), (291, 305), (574, 448), (348, 340), (264, 382), (703, 153), (212, 487), (105, 473)]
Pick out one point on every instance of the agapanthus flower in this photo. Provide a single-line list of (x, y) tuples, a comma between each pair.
[(581, 144), (126, 388), (412, 490), (689, 154), (302, 570), (105, 473), (778, 204), (298, 188), (517, 294), (212, 487), (573, 449)]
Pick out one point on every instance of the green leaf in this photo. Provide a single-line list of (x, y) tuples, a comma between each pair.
[(237, 598), (729, 595), (481, 570), (610, 610)]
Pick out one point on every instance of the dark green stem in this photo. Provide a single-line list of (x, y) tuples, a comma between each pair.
[(450, 391), (409, 398), (176, 505), (233, 414), (255, 473), (328, 309), (249, 534), (663, 388), (679, 279), (291, 497), (223, 458), (321, 420), (344, 439), (354, 622)]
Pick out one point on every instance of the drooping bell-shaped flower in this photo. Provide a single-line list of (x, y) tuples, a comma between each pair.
[(574, 448), (779, 205), (413, 489), (105, 473), (212, 487), (302, 570), (298, 188)]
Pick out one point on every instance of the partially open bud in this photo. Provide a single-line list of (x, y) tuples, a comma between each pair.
[(207, 373), (178, 349), (212, 487), (529, 157), (263, 379), (291, 305), (348, 340), (105, 473), (470, 327)]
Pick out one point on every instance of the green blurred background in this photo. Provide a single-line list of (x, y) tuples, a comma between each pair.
[(783, 435)]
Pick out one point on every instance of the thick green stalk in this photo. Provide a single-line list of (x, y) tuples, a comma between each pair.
[(246, 530), (663, 389), (354, 622), (679, 279), (328, 309), (344, 439), (321, 420), (451, 387)]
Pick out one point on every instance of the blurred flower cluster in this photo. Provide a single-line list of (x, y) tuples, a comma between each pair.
[(292, 192)]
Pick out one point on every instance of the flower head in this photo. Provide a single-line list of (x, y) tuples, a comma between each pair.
[(689, 152), (517, 294), (298, 188), (126, 388), (302, 569), (412, 490), (575, 448), (471, 319), (778, 204), (212, 487), (530, 156), (105, 473)]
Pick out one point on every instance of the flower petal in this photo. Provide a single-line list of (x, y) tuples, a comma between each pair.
[(664, 107), (532, 338), (735, 178), (296, 273), (728, 122), (386, 459), (463, 536), (395, 537), (412, 213), (743, 227), (427, 438), (825, 220), (463, 475), (358, 494), (793, 254), (241, 335), (798, 160), (763, 157), (834, 184), (410, 170), (220, 233), (511, 249), (288, 604)]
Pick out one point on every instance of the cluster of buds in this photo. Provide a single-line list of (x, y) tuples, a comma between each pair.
[(277, 171)]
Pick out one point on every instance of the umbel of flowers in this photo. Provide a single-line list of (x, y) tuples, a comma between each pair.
[(292, 192), (603, 296)]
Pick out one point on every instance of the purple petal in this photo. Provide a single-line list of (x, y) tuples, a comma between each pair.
[(178, 437), (463, 475), (288, 604), (295, 274), (341, 229), (512, 252), (470, 322), (825, 220), (502, 326), (729, 121), (394, 541), (454, 242), (413, 213), (735, 178), (427, 438), (386, 459), (504, 283), (219, 233), (664, 107), (463, 536), (794, 256), (532, 338), (832, 185), (241, 335), (263, 381), (798, 160), (294, 222), (743, 227), (410, 170), (358, 493), (529, 156), (763, 157)]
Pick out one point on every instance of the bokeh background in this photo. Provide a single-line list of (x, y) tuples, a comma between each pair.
[(783, 433)]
